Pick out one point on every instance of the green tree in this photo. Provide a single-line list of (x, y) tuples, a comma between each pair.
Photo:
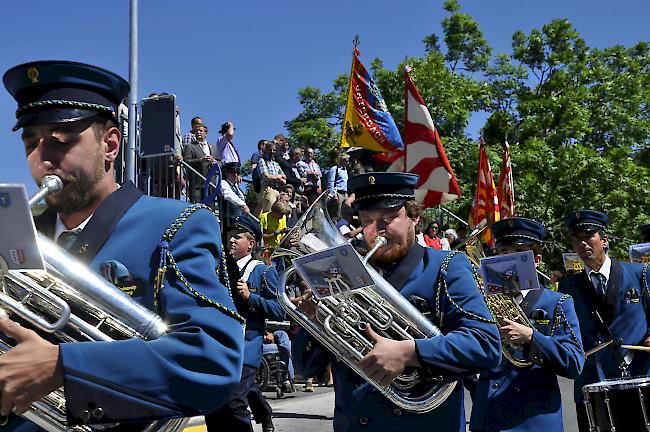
[(577, 119)]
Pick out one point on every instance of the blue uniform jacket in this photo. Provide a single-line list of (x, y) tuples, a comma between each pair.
[(470, 345), (189, 371), (624, 311), (510, 398), (262, 304)]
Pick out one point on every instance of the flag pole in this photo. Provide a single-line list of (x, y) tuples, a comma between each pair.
[(130, 154), (406, 76)]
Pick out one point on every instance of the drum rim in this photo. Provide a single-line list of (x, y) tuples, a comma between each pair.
[(617, 383)]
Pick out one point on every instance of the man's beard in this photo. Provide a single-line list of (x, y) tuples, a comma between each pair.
[(395, 252), (79, 191)]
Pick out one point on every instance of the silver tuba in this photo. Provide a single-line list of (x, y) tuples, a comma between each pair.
[(71, 303), (340, 321)]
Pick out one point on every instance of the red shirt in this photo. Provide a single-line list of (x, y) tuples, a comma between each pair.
[(433, 242)]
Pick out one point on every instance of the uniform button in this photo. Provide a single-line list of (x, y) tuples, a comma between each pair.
[(98, 413), (85, 415), (363, 420), (517, 389), (397, 412), (495, 386)]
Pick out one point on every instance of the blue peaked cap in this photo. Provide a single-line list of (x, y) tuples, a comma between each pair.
[(380, 190), (518, 231), (56, 91), (249, 224), (586, 220)]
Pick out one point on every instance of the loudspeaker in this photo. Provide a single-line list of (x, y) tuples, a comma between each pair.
[(158, 125)]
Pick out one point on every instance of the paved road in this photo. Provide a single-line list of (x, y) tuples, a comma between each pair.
[(298, 412)]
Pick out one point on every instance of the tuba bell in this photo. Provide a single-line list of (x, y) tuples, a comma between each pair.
[(501, 305), (71, 303), (340, 320)]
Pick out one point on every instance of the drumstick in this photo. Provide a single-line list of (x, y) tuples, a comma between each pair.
[(636, 347), (597, 348)]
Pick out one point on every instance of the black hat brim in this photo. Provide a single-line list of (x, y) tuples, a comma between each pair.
[(54, 115), (378, 204)]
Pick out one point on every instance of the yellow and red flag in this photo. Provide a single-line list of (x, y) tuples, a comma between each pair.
[(506, 186), (367, 123), (486, 202)]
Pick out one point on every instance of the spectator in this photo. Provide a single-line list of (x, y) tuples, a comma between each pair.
[(274, 223), (337, 186), (200, 156), (258, 154), (272, 179), (431, 236), (452, 237), (190, 137), (288, 196), (288, 167), (279, 342), (347, 225), (309, 168), (283, 146), (234, 202), (227, 150)]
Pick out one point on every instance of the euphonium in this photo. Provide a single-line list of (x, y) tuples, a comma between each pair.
[(69, 302), (340, 321), (501, 305)]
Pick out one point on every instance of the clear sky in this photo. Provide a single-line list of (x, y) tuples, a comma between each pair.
[(245, 60)]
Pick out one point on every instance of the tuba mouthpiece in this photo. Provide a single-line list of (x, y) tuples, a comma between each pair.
[(50, 184)]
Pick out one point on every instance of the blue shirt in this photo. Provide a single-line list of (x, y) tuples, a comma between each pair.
[(337, 180)]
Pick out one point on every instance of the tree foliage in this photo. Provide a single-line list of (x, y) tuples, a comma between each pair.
[(577, 119)]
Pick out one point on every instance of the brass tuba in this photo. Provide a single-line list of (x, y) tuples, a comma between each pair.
[(501, 305), (71, 303), (340, 320)]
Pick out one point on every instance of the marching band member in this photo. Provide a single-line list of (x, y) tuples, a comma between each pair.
[(614, 290), (258, 292), (443, 288), (511, 398), (67, 113)]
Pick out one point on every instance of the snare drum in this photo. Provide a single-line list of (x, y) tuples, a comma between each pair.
[(618, 405)]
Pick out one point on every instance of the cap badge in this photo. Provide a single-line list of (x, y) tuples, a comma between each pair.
[(372, 180), (510, 223), (578, 215), (32, 73)]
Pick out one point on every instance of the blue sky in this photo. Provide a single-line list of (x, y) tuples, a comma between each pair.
[(245, 60)]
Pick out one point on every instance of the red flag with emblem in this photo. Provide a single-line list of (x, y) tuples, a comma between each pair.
[(506, 186), (486, 202), (424, 154)]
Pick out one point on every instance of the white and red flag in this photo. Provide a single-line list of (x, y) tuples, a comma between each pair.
[(485, 207), (506, 186), (424, 154)]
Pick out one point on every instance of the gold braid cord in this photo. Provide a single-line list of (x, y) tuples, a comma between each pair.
[(560, 317), (441, 285), (167, 261)]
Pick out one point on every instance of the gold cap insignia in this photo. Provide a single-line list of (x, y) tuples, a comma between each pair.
[(372, 180), (32, 73), (510, 223), (578, 215)]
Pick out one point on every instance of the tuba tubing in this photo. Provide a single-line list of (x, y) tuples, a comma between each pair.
[(74, 304), (379, 305)]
